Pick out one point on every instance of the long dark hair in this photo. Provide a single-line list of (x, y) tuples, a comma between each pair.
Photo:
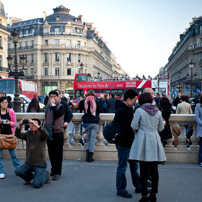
[(34, 104), (164, 101)]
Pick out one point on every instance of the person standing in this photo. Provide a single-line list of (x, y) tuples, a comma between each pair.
[(91, 122), (124, 116), (7, 127), (54, 115), (184, 107), (33, 106), (165, 108), (198, 119), (111, 103), (177, 100), (68, 113), (81, 104), (35, 154), (64, 98), (157, 99), (147, 147)]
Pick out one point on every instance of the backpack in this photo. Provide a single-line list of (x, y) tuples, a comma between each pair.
[(112, 133)]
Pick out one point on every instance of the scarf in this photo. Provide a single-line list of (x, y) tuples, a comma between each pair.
[(150, 109), (93, 106)]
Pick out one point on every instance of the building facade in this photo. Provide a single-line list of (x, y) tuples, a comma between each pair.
[(185, 63), (4, 33), (57, 47)]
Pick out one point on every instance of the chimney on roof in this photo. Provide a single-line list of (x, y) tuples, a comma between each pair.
[(181, 36), (44, 15), (81, 18), (11, 21)]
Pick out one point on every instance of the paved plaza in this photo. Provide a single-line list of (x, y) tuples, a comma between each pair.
[(91, 182)]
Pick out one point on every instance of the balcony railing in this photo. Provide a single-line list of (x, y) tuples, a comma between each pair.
[(3, 69), (63, 33), (105, 151), (4, 28), (29, 77), (21, 48)]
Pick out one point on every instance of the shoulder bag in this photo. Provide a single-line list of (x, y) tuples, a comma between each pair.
[(8, 141)]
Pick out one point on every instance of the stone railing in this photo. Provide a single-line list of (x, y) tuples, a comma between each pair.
[(181, 153)]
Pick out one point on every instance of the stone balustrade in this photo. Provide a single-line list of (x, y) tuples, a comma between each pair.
[(181, 153)]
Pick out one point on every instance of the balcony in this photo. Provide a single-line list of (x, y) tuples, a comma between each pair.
[(29, 77), (105, 151), (21, 48), (4, 69), (63, 33), (4, 28)]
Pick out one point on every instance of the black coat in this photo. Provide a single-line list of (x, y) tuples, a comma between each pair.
[(124, 115), (111, 105), (176, 101), (166, 111), (68, 113), (88, 117)]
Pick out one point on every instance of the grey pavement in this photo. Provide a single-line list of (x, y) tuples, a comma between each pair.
[(91, 182)]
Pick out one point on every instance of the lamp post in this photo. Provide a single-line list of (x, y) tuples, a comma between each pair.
[(15, 73), (179, 80), (191, 65), (81, 65), (23, 61), (98, 74)]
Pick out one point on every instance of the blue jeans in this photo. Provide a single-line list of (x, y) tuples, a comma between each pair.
[(200, 150), (91, 131), (14, 159), (123, 155), (40, 174)]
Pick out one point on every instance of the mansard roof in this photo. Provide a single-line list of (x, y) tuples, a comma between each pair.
[(28, 22)]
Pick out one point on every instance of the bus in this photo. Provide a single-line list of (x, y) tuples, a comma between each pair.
[(108, 86), (27, 88)]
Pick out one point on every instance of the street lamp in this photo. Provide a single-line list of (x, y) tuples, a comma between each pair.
[(9, 58), (179, 80), (23, 61), (98, 74), (15, 74)]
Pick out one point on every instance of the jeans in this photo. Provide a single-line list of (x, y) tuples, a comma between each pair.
[(200, 150), (91, 131), (123, 155), (14, 159), (40, 174)]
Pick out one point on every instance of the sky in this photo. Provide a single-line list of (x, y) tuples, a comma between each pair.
[(140, 33)]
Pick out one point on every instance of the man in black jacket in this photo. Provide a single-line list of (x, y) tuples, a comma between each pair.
[(111, 104), (124, 116), (68, 113)]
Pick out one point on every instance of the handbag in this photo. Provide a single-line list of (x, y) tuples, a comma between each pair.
[(113, 133), (8, 141)]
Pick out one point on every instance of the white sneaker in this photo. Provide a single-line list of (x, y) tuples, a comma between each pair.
[(2, 176)]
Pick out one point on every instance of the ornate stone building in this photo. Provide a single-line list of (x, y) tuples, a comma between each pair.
[(4, 33), (185, 63), (58, 46)]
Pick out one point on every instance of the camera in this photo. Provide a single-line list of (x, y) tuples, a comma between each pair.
[(26, 121), (3, 121)]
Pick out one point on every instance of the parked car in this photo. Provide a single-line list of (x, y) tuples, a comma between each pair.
[(41, 99), (25, 102)]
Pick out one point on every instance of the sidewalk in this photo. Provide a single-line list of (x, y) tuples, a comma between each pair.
[(95, 182)]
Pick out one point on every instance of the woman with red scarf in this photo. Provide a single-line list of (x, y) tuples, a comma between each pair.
[(91, 122)]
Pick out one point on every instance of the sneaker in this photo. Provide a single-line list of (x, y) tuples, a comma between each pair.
[(124, 194), (2, 176), (56, 177), (200, 164)]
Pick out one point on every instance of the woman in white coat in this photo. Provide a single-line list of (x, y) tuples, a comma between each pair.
[(198, 119), (147, 147)]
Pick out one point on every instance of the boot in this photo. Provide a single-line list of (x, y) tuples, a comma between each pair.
[(152, 197), (87, 155), (90, 157)]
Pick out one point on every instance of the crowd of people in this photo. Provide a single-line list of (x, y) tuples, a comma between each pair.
[(144, 129)]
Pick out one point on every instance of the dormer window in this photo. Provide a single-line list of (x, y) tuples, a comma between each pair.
[(57, 18)]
